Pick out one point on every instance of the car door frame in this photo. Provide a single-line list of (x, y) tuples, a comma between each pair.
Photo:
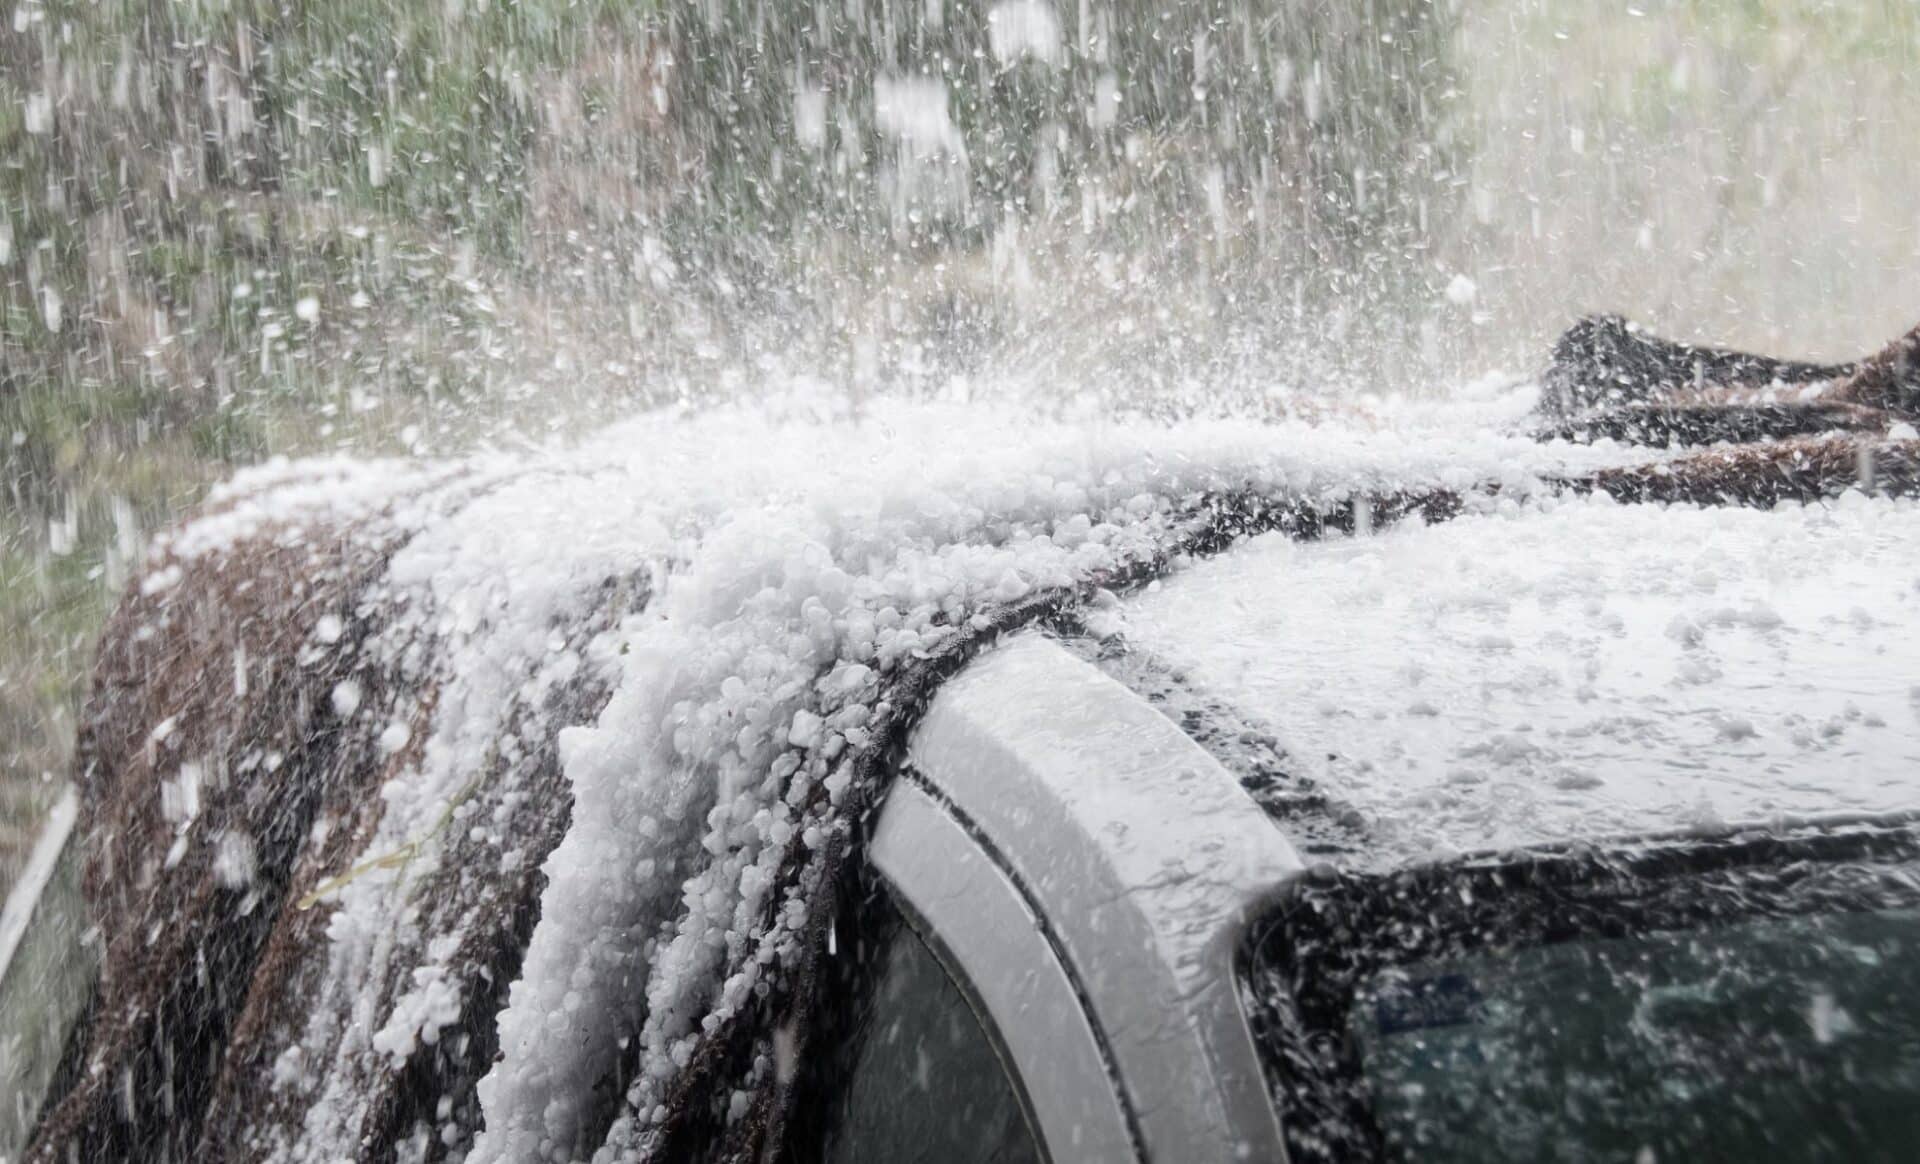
[(999, 950)]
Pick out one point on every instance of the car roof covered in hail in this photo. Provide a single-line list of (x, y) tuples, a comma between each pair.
[(1569, 670)]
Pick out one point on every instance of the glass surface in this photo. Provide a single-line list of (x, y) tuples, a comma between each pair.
[(1775, 1041), (926, 1083)]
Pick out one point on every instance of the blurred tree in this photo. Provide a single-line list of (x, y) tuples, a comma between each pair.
[(930, 121)]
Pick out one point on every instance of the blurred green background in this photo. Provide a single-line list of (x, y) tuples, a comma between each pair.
[(230, 230)]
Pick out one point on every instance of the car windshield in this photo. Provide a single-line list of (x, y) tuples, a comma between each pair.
[(1774, 1040), (1739, 997)]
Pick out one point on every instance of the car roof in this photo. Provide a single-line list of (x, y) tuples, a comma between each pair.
[(1144, 857), (1560, 671)]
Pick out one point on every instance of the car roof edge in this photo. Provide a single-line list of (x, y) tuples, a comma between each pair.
[(1146, 857)]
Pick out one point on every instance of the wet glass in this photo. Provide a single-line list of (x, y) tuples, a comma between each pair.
[(1778, 1040), (926, 1083)]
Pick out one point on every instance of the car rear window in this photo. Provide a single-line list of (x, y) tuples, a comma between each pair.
[(1741, 998), (1778, 1039)]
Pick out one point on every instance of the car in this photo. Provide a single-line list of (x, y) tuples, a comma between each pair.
[(1081, 936), (1259, 851), (1040, 962), (1132, 937)]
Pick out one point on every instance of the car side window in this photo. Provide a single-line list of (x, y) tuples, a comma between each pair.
[(917, 1076)]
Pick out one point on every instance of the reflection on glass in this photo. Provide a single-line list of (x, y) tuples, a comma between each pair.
[(1772, 1041)]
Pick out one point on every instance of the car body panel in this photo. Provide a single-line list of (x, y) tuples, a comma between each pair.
[(980, 923), (1555, 672), (1147, 859), (46, 972)]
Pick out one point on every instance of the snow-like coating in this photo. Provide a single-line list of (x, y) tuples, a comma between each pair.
[(793, 564), (1573, 668)]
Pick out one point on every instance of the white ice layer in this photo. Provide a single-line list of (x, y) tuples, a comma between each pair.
[(795, 563), (761, 662), (1574, 668)]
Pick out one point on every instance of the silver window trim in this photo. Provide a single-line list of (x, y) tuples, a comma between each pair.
[(983, 924), (1146, 858), (44, 916)]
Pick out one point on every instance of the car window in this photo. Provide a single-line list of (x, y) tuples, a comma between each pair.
[(1780, 1040), (1730, 998), (918, 1077)]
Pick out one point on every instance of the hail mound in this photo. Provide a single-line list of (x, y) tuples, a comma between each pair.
[(560, 738)]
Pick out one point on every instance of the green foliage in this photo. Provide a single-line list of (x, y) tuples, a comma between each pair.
[(197, 171)]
